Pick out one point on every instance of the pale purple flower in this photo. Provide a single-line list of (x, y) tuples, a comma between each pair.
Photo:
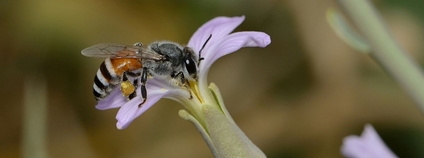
[(220, 44), (368, 145)]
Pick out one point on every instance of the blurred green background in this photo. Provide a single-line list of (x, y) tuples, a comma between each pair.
[(296, 98)]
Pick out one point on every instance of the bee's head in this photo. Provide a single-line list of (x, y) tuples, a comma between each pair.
[(190, 62)]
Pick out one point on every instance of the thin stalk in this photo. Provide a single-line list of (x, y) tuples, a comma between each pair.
[(385, 50), (34, 131)]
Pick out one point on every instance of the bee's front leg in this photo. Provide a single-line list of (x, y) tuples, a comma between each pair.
[(183, 81), (143, 80)]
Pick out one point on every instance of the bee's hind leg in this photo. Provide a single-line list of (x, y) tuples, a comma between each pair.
[(128, 88), (135, 84), (133, 94)]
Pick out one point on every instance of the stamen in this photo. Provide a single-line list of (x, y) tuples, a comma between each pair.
[(194, 90)]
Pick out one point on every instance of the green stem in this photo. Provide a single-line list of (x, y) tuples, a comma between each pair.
[(34, 128), (227, 138), (218, 129), (385, 50)]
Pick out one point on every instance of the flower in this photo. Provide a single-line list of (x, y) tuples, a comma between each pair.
[(368, 145), (221, 43)]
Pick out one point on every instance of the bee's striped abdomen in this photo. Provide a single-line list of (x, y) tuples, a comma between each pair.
[(110, 73), (105, 80)]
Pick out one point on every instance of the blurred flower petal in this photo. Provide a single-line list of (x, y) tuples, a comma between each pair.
[(368, 145)]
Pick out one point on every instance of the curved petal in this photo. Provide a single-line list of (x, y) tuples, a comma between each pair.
[(114, 100), (127, 113), (219, 27), (232, 43), (130, 110), (156, 89)]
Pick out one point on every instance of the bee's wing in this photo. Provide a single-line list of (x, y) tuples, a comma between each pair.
[(103, 50), (114, 50)]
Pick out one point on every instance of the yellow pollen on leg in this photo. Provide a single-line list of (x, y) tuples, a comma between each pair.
[(127, 88)]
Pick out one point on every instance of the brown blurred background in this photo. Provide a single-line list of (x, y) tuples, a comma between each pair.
[(296, 98)]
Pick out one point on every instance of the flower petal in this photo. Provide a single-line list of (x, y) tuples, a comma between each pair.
[(114, 100), (156, 89), (368, 145), (219, 27), (130, 110), (232, 43)]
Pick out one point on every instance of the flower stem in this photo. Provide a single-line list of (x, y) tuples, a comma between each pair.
[(187, 116), (385, 50), (218, 129), (34, 130), (227, 138)]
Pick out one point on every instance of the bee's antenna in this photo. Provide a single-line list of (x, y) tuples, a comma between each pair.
[(200, 52)]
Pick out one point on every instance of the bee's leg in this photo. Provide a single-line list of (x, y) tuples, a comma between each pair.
[(143, 80), (127, 83), (127, 87), (133, 74), (183, 81), (133, 94)]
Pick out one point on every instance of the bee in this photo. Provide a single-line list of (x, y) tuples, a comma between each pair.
[(163, 59)]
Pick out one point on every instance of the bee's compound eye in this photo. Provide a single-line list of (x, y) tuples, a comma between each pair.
[(190, 66)]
